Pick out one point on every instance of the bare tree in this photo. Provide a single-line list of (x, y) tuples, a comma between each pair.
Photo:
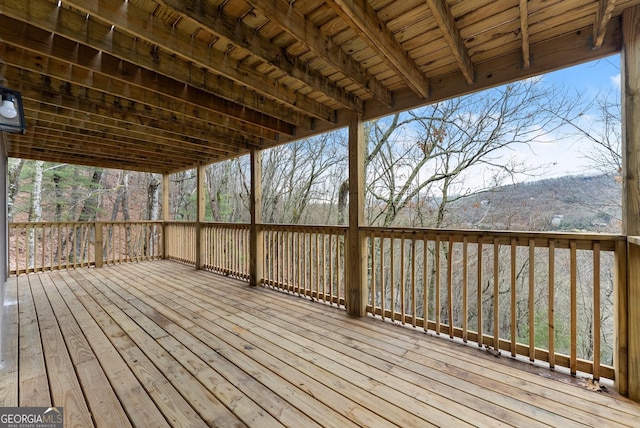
[(431, 156), (153, 197), (35, 213), (13, 185), (228, 194), (122, 197), (297, 176)]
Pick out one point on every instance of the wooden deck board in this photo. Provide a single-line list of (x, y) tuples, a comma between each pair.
[(34, 384), (9, 344), (160, 344)]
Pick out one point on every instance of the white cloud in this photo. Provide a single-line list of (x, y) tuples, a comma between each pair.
[(615, 81)]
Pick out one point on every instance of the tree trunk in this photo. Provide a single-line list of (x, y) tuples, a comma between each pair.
[(36, 209), (13, 186), (153, 197), (57, 215), (343, 194), (89, 213)]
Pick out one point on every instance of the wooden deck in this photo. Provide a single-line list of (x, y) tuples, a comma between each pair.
[(159, 344)]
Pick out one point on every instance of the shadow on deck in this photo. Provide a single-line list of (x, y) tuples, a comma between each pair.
[(160, 344)]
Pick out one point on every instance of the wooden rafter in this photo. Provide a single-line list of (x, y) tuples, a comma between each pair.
[(224, 26), (102, 38), (297, 25), (363, 19), (603, 16), (62, 60), (160, 141), (442, 14), (87, 100), (524, 33)]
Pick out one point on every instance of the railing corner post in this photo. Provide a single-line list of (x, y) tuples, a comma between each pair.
[(99, 245)]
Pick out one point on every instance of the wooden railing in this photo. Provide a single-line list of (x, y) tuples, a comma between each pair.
[(125, 242), (225, 249), (548, 297), (306, 260), (627, 316), (180, 239), (35, 247)]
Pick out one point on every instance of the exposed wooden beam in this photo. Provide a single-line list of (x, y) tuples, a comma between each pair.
[(603, 16), (65, 117), (306, 32), (115, 148), (133, 20), (30, 144), (64, 111), (17, 150), (361, 16), (447, 24), (46, 89), (563, 51), (95, 34), (82, 131), (131, 82), (524, 33)]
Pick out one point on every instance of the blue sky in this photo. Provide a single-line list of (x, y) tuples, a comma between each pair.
[(566, 155), (593, 76)]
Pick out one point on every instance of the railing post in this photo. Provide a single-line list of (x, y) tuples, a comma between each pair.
[(200, 191), (99, 245), (620, 316), (256, 241), (165, 213), (628, 295), (356, 296)]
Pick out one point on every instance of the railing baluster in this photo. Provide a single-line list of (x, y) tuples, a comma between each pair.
[(596, 310), (425, 284), (43, 245), (393, 279), (496, 294), (450, 286), (403, 310), (573, 310), (551, 309), (532, 289), (513, 298), (465, 288), (437, 284), (479, 293), (383, 276), (413, 282)]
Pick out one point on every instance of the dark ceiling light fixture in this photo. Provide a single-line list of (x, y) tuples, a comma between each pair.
[(11, 112)]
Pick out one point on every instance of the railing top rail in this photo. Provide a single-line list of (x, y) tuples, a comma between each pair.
[(15, 224), (540, 239), (577, 236), (635, 240), (180, 223), (303, 227), (226, 225)]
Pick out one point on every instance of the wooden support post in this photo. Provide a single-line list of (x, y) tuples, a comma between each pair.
[(628, 298), (256, 241), (165, 213), (99, 244), (200, 197), (356, 267)]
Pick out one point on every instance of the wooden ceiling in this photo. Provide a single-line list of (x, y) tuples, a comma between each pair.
[(160, 85)]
